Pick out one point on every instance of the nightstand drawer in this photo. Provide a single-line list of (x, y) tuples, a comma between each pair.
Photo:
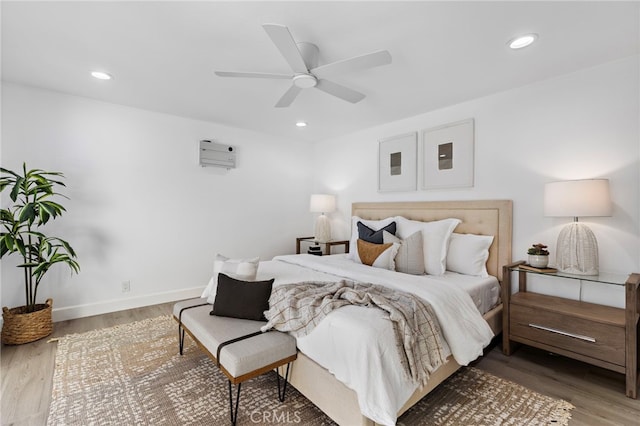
[(594, 339)]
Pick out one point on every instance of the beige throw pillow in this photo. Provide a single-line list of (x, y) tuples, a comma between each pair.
[(410, 257), (435, 240)]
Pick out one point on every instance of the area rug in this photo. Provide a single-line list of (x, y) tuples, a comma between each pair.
[(132, 374)]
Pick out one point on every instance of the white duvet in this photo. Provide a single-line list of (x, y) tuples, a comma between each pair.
[(356, 344)]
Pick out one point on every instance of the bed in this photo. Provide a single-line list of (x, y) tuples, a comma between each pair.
[(336, 360), (486, 217)]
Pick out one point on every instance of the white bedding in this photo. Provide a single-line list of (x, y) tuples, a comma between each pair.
[(352, 342), (484, 291)]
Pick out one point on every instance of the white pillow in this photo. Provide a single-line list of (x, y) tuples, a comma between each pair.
[(384, 259), (435, 240), (410, 257), (468, 254), (373, 224), (240, 269)]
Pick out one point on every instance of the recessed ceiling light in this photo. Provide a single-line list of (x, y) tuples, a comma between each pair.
[(101, 75), (301, 124), (522, 41)]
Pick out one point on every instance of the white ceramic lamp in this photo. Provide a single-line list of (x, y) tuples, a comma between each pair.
[(577, 248), (322, 203)]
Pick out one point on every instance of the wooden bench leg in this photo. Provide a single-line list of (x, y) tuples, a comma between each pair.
[(286, 379), (232, 410)]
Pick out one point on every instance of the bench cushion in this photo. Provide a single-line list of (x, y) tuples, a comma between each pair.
[(241, 357)]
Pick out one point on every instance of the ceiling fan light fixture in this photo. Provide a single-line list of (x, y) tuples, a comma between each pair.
[(522, 41), (101, 75), (305, 81)]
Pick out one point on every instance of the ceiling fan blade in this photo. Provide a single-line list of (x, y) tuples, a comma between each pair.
[(288, 96), (285, 43), (339, 91), (252, 75), (370, 60)]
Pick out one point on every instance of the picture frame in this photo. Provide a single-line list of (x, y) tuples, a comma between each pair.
[(398, 163), (448, 156)]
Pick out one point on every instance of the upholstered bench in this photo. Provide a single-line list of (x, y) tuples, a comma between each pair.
[(237, 346)]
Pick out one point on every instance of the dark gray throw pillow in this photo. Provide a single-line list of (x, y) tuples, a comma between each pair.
[(242, 299), (375, 237)]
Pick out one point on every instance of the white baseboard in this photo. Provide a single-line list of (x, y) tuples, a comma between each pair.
[(81, 311)]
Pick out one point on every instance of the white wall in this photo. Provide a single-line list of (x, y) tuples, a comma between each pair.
[(140, 208), (582, 125)]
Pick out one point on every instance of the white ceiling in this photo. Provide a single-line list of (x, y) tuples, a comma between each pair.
[(163, 54)]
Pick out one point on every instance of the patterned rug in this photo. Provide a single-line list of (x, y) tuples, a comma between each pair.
[(132, 374)]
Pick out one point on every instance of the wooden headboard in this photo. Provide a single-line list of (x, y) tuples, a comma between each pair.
[(483, 217)]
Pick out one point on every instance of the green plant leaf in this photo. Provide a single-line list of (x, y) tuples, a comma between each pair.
[(21, 247), (16, 188), (9, 241), (7, 171), (28, 213), (55, 206), (47, 188), (43, 213), (68, 248)]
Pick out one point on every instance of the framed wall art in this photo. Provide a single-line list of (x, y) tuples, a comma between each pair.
[(447, 156), (398, 163)]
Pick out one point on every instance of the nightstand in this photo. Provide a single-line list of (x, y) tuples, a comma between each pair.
[(600, 335), (327, 245)]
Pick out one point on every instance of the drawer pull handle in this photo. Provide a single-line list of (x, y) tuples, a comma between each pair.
[(564, 333)]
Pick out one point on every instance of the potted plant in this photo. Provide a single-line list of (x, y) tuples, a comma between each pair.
[(538, 256), (31, 207)]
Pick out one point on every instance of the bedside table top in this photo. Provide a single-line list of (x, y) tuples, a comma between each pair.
[(604, 277), (312, 239)]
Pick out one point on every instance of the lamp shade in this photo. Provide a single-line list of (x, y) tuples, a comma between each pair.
[(322, 203), (577, 198)]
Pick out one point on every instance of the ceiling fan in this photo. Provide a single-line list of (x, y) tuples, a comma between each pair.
[(303, 60)]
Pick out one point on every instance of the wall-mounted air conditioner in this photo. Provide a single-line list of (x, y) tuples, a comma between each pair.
[(213, 154)]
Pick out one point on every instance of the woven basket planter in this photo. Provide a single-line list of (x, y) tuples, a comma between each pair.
[(21, 327)]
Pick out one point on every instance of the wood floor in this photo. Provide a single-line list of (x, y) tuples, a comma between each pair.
[(26, 376)]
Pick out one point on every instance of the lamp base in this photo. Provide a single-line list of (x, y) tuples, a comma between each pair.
[(577, 250), (323, 229)]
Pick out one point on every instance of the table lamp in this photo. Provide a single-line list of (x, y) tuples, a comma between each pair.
[(322, 203), (577, 248)]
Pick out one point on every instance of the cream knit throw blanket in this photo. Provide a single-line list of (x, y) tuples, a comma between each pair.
[(298, 308)]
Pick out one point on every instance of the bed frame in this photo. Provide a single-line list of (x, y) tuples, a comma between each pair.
[(485, 217)]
